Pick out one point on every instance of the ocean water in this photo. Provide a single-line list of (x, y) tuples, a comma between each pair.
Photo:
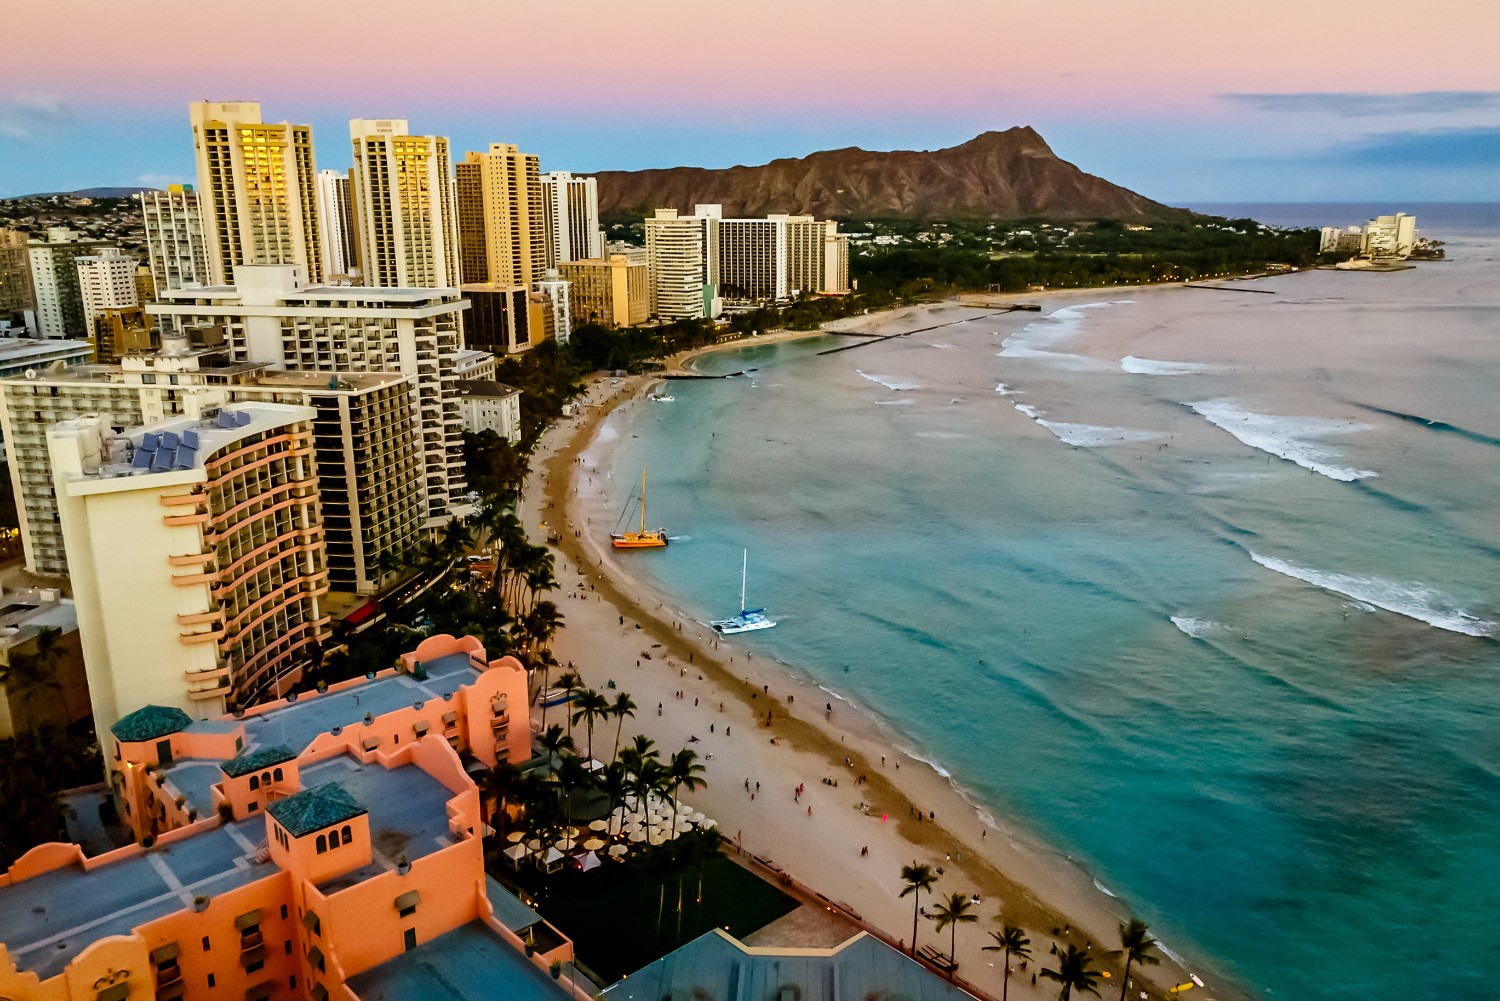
[(1201, 588)]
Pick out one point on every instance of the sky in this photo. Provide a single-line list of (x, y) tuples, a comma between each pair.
[(1280, 100)]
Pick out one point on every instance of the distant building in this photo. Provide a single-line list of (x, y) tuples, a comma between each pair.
[(572, 217), (257, 191), (106, 280), (491, 406), (195, 550), (271, 318), (502, 218), (18, 355), (404, 206), (54, 277), (615, 292), (331, 847), (176, 251), (472, 364), (683, 256), (1390, 236), (740, 263), (554, 292), (499, 319), (336, 226), (17, 300), (24, 619), (120, 331)]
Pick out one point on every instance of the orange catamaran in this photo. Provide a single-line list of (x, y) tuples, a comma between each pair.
[(641, 539)]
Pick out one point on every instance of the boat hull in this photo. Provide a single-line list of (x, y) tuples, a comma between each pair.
[(640, 540), (745, 622)]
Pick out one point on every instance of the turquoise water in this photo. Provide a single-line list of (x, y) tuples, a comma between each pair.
[(1216, 615)]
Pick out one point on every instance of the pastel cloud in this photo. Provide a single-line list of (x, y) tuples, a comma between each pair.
[(1360, 104)]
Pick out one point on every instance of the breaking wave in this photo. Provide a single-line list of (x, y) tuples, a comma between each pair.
[(1146, 366), (888, 381), (1413, 600), (1286, 437)]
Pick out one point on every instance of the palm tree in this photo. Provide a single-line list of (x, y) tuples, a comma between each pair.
[(623, 706), (555, 742), (1136, 944), (570, 683), (1012, 941), (546, 662), (683, 770), (569, 776), (500, 784), (28, 677), (951, 913), (590, 707), (919, 880), (1075, 972), (614, 782), (650, 779)]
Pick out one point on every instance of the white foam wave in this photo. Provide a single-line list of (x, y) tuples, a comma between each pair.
[(1148, 366), (607, 433), (679, 538), (945, 347), (1094, 436), (893, 403), (1005, 390), (930, 764), (1198, 628), (889, 381), (1105, 890), (1413, 600), (1286, 437), (939, 435), (1030, 411), (1036, 339)]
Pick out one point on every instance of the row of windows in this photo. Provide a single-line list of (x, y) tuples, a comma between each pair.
[(334, 839)]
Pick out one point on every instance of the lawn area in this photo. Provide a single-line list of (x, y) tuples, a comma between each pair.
[(622, 917)]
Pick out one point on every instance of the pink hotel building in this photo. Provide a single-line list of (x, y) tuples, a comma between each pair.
[(323, 846)]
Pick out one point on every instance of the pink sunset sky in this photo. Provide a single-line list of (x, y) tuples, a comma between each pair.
[(1305, 100)]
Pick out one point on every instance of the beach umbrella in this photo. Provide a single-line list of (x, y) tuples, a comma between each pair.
[(589, 861), (618, 850), (516, 837), (567, 844), (535, 844), (572, 832), (598, 825), (695, 817), (594, 844), (637, 835), (657, 837), (709, 824), (683, 824)]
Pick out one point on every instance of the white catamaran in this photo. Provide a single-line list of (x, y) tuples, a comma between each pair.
[(749, 619)]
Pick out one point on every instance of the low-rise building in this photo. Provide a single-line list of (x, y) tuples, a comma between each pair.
[(499, 319), (332, 849), (41, 625), (491, 406), (472, 364)]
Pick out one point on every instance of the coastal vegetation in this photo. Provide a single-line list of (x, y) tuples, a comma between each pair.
[(1012, 941)]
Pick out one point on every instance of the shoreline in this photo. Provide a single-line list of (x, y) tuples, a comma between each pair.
[(1038, 887)]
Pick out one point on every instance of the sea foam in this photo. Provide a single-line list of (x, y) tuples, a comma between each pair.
[(1288, 438), (1147, 366), (1005, 390), (1036, 340), (893, 403), (1198, 628), (1085, 435), (1414, 600), (889, 381)]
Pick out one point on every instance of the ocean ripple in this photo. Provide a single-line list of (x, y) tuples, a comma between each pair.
[(1146, 366)]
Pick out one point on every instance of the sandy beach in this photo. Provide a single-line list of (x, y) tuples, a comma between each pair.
[(713, 695)]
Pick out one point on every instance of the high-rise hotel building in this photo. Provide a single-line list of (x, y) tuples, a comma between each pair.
[(336, 225), (271, 318), (571, 205), (404, 206), (106, 280), (54, 279), (502, 217), (176, 250), (682, 255), (196, 555), (257, 189), (17, 305)]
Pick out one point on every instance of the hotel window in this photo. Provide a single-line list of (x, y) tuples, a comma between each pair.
[(322, 844)]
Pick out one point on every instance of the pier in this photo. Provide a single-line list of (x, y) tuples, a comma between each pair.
[(1225, 288), (876, 339)]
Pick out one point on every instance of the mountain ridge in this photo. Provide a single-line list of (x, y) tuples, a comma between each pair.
[(1012, 174)]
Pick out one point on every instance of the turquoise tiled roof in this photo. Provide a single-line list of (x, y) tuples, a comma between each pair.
[(314, 809), (150, 723), (253, 761)]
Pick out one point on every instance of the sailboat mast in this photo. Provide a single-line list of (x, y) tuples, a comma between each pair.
[(744, 567), (643, 500)]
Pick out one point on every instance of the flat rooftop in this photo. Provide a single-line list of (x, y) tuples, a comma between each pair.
[(297, 724), (714, 965), (408, 812), (470, 963), (47, 921)]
